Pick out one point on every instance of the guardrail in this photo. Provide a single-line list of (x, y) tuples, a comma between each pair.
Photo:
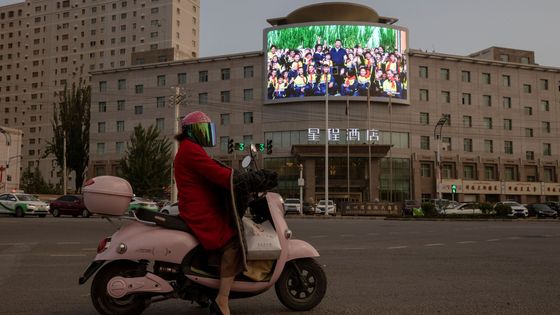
[(369, 209)]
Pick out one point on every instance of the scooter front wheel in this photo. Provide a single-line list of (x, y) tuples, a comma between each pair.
[(108, 305), (302, 284)]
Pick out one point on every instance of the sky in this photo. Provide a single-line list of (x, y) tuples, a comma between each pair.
[(458, 27)]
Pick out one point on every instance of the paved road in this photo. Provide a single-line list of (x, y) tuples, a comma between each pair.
[(373, 267)]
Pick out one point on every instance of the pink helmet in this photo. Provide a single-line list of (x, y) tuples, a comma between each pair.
[(198, 127)]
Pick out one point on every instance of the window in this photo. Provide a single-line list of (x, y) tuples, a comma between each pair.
[(445, 97), (424, 118), (508, 147), (424, 96), (423, 72), (139, 89), (102, 86), (119, 147), (506, 101), (548, 175), (488, 146), (120, 125), (248, 72), (545, 126), (425, 142), (466, 76), (160, 101), (248, 94), (202, 98), (487, 100), (543, 84), (448, 171), (225, 74), (487, 121), (446, 143), (160, 123), (100, 148), (527, 88), (248, 117), (545, 106), (528, 110), (547, 149), (444, 74), (469, 171), (467, 121), (466, 99), (101, 127), (530, 155), (489, 172), (102, 107), (120, 105), (121, 84), (426, 169), (467, 145), (224, 119), (504, 58), (161, 80), (529, 132), (506, 80), (486, 79), (181, 78), (509, 173), (225, 96), (203, 76), (138, 110), (508, 124)]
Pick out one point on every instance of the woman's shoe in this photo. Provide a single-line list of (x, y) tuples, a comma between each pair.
[(215, 308)]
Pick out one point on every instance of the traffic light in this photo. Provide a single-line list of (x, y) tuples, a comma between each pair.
[(269, 146), (230, 146), (453, 188), (240, 146), (260, 147)]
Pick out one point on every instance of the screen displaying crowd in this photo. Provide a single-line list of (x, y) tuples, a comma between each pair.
[(342, 60)]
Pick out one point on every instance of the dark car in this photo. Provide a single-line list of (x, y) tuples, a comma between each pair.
[(69, 205), (308, 208), (554, 205), (541, 210)]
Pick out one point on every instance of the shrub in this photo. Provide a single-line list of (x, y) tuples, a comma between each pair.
[(429, 209), (502, 210), (485, 207)]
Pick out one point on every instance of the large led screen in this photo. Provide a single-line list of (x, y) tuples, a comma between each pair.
[(343, 60)]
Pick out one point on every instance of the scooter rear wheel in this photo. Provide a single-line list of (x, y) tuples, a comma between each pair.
[(301, 292), (107, 305)]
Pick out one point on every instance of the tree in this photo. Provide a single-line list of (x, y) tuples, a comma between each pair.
[(32, 182), (147, 162), (71, 120)]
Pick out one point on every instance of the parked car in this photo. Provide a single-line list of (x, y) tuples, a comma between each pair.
[(442, 204), (463, 208), (330, 208), (292, 205), (69, 204), (139, 202), (409, 205), (517, 210), (308, 208), (20, 204), (172, 208), (554, 205), (541, 210)]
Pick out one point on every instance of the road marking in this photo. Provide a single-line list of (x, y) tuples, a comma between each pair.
[(319, 236), (548, 235), (347, 235), (493, 240), (397, 247), (514, 238), (12, 244), (67, 255), (67, 243), (466, 242), (434, 244)]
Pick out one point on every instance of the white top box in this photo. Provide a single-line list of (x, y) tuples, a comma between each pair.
[(107, 195)]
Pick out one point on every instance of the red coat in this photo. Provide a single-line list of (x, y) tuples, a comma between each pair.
[(203, 185)]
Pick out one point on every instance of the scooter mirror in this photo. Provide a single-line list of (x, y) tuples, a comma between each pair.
[(246, 161), (253, 148)]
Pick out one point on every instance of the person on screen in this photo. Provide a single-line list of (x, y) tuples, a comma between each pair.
[(318, 56), (363, 83), (349, 83), (311, 80), (338, 53), (281, 88), (271, 86), (272, 52), (391, 86), (299, 84), (392, 64), (307, 61), (326, 81)]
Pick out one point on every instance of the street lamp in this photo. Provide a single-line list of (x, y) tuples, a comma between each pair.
[(8, 143), (437, 135), (177, 99)]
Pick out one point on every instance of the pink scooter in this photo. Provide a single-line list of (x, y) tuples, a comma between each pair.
[(154, 257)]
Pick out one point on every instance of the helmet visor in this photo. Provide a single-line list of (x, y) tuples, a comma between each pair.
[(204, 133)]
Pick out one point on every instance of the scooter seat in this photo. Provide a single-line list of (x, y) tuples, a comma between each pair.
[(167, 221)]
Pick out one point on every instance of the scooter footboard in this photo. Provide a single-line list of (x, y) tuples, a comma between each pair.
[(300, 249)]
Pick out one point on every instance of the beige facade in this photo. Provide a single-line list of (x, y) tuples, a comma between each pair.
[(46, 44), (503, 131), (10, 158)]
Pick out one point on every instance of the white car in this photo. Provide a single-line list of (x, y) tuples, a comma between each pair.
[(331, 207), (292, 205), (172, 209), (20, 204), (463, 208), (517, 209), (142, 203)]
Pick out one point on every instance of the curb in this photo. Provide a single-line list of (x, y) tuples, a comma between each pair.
[(340, 217)]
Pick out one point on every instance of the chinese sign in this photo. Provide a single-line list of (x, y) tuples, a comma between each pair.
[(334, 135)]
